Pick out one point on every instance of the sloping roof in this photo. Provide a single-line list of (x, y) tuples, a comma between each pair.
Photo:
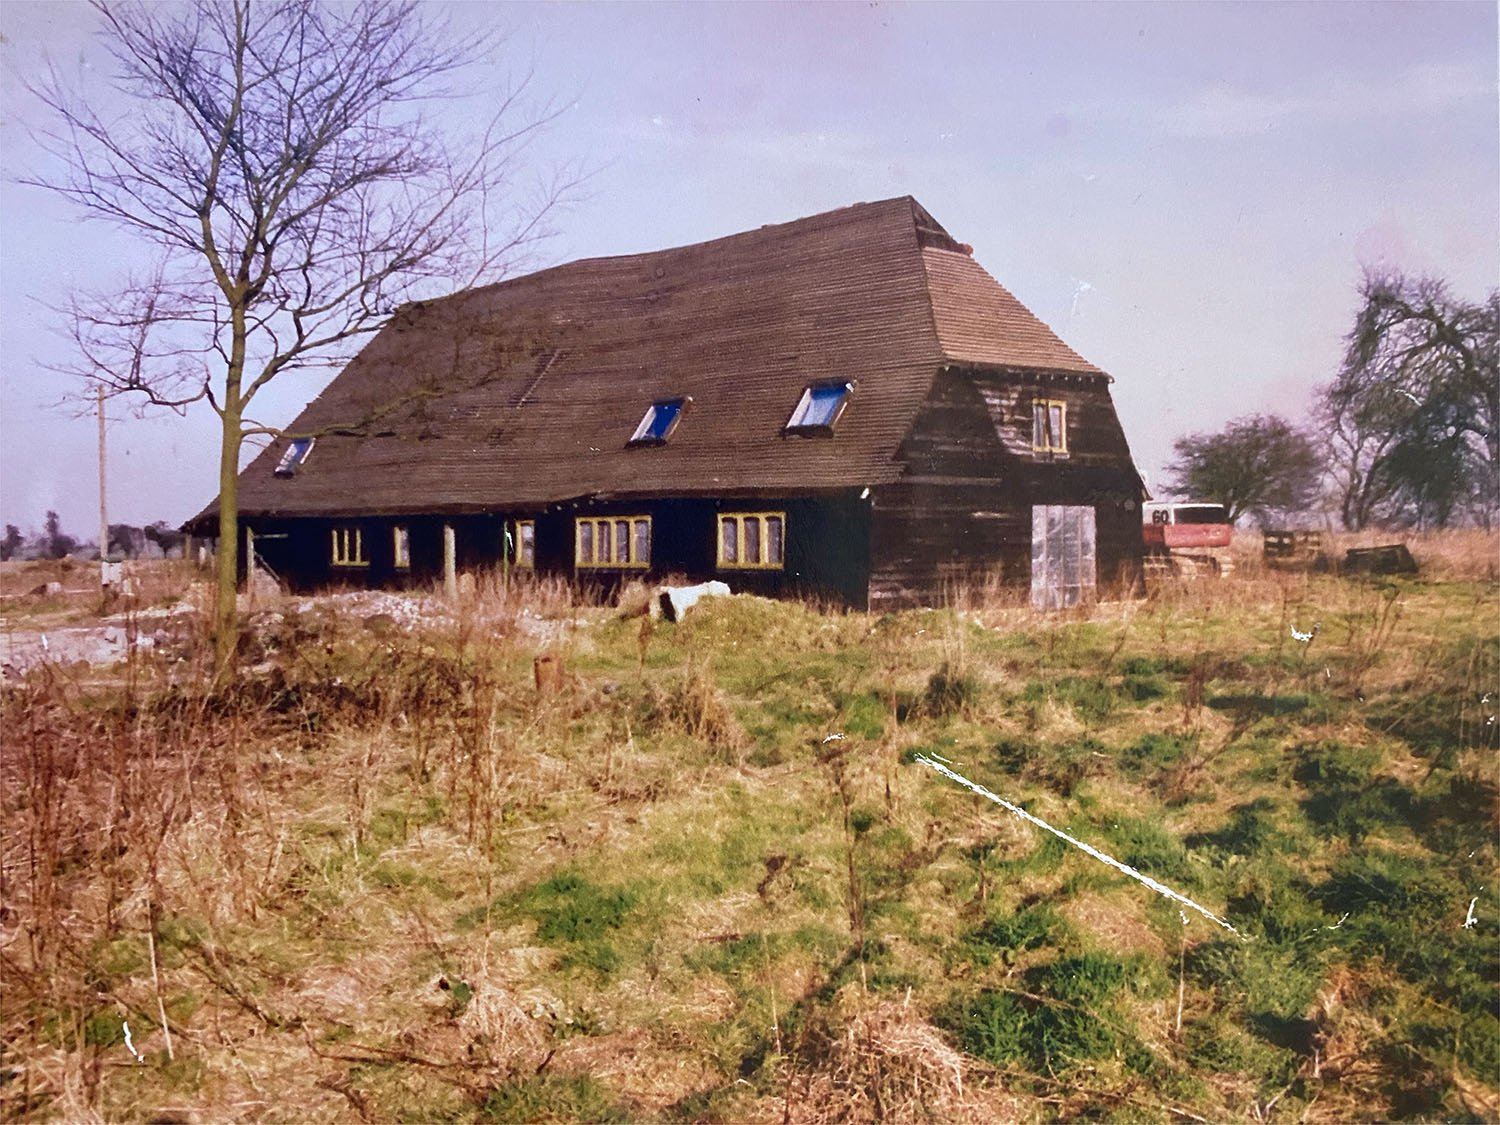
[(527, 392), (979, 322)]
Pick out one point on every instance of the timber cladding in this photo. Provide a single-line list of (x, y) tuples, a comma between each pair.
[(853, 384)]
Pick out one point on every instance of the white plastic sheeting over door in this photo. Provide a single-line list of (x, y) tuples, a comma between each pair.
[(1062, 555)]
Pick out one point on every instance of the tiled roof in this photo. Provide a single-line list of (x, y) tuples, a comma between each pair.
[(527, 392)]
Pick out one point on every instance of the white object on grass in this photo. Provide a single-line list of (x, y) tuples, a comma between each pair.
[(1159, 888), (1305, 637), (672, 602), (1471, 920)]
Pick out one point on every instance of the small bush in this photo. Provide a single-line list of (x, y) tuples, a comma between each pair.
[(692, 705)]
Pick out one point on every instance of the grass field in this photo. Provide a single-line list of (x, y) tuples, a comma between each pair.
[(380, 876)]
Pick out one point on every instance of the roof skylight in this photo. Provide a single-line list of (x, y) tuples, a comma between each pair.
[(820, 406), (295, 454), (658, 422)]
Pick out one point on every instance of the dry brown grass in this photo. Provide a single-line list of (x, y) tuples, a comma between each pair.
[(291, 866)]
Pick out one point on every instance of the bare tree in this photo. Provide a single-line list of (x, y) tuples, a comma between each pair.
[(1413, 418), (1256, 465), (283, 160)]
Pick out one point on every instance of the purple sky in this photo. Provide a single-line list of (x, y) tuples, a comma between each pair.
[(1186, 193)]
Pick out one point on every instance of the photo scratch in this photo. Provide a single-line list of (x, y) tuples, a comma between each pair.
[(1138, 876), (129, 1043)]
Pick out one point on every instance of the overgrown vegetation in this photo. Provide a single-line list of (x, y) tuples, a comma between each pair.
[(699, 875)]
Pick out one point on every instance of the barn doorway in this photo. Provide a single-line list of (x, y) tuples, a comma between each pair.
[(1063, 572)]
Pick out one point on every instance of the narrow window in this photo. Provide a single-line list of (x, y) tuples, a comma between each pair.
[(349, 547), (1049, 426), (773, 540), (401, 547), (525, 543), (296, 453), (623, 542), (658, 422), (819, 408), (752, 540)]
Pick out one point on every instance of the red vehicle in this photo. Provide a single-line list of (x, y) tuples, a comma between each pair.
[(1187, 538)]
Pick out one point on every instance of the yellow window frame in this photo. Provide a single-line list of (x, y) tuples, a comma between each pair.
[(348, 547), (1055, 442), (522, 559), (738, 520), (609, 526)]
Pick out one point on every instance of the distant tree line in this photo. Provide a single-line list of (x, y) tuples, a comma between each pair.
[(125, 541), (1407, 434)]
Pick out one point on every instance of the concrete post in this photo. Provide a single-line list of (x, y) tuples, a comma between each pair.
[(250, 564), (450, 561)]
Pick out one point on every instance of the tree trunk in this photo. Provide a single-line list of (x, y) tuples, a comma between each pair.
[(226, 626)]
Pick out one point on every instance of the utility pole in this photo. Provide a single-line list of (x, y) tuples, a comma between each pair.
[(103, 509)]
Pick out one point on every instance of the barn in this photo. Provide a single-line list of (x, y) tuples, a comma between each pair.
[(845, 407)]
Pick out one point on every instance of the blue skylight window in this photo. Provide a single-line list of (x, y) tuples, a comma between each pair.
[(295, 454), (820, 406), (659, 421)]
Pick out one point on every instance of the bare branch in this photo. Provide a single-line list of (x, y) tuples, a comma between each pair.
[(283, 158)]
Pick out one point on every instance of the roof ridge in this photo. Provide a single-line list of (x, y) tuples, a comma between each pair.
[(646, 255)]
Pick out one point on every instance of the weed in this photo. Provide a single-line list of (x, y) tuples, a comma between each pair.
[(1345, 795), (552, 1098), (276, 868), (580, 916), (1061, 767), (1008, 937), (1065, 1017), (950, 692)]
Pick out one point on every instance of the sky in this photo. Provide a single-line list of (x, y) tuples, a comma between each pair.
[(1187, 193)]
